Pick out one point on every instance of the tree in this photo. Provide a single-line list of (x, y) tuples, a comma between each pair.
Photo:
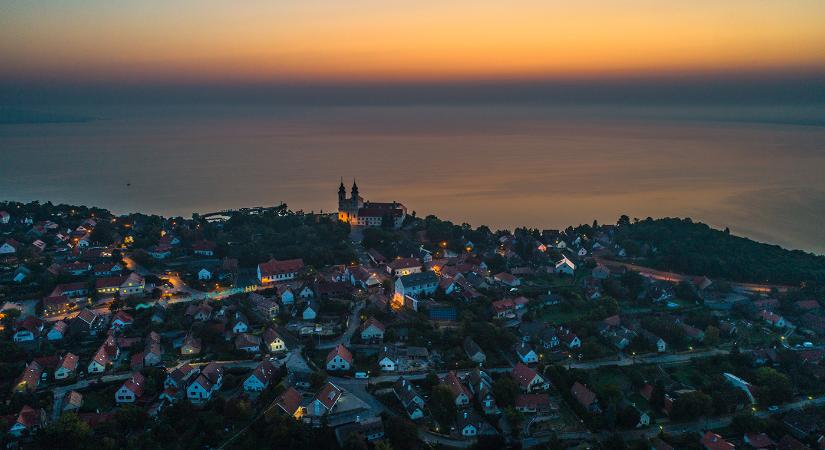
[(68, 432), (692, 405), (774, 387), (442, 405), (402, 433), (711, 336), (505, 390)]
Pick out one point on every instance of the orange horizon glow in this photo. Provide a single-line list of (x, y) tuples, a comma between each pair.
[(369, 40)]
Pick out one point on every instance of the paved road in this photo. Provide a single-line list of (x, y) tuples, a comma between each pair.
[(61, 391), (346, 337), (670, 358)]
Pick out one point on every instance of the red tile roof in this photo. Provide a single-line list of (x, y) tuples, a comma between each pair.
[(341, 351), (582, 394), (275, 267)]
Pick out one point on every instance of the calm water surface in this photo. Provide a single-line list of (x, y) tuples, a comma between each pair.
[(760, 171)]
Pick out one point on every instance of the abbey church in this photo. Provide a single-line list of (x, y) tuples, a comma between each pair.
[(356, 211)]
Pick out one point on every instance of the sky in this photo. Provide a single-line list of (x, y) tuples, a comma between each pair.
[(195, 42)]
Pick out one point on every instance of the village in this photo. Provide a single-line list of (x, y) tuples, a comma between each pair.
[(372, 327)]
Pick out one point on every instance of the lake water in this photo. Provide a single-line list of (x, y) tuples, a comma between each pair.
[(758, 170)]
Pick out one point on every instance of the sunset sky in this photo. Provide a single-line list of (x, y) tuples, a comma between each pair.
[(147, 41)]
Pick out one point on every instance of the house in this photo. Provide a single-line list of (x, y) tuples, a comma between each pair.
[(28, 421), (204, 248), (204, 274), (178, 378), (273, 341), (132, 284), (266, 307), (191, 345), (200, 313), (260, 377), (310, 311), (28, 329), (528, 379), (586, 398), (416, 284), (72, 402), (712, 441), (10, 247), (372, 330), (655, 341), (160, 251), (469, 424), (324, 400), (461, 397), (290, 402), (58, 331), (306, 292), (473, 351), (388, 359), (535, 404), (208, 382), (481, 386), (152, 351), (285, 294), (503, 308), (565, 266), (131, 390), (400, 267), (526, 353), (5, 217), (507, 279), (772, 319), (29, 380), (759, 441), (339, 359), (105, 355), (241, 323), (600, 272), (67, 367), (369, 430), (122, 320), (411, 401), (274, 271), (87, 321), (247, 342)]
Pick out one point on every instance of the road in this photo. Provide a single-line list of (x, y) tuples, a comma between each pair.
[(61, 391), (346, 337), (624, 360)]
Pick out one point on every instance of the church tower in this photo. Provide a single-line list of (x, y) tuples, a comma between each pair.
[(342, 196)]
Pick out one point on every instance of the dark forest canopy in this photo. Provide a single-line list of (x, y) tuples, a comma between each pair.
[(682, 245)]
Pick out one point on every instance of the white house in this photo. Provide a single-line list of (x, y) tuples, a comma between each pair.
[(273, 341), (388, 359), (310, 311), (204, 274), (526, 354), (339, 359), (372, 330), (58, 331), (260, 377), (565, 266), (67, 367), (9, 247), (131, 389)]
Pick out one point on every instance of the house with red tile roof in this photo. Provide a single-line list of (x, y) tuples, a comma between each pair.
[(29, 380), (712, 441), (372, 330), (290, 402), (67, 366), (259, 379), (759, 441), (528, 379), (275, 271), (585, 397), (28, 421), (461, 396), (131, 390), (325, 400), (339, 359)]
